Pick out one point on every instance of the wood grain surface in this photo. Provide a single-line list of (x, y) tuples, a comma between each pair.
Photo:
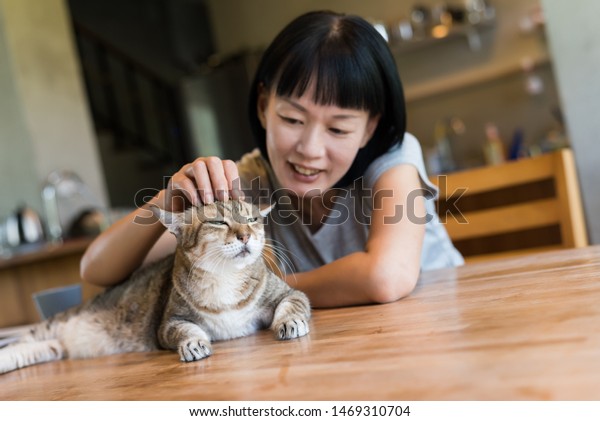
[(524, 328)]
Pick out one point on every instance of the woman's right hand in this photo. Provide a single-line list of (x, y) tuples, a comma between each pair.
[(127, 243), (202, 181)]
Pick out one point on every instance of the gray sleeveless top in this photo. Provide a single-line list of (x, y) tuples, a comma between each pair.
[(346, 228)]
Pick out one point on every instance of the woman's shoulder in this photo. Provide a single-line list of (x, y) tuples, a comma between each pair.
[(255, 174), (407, 152), (251, 162)]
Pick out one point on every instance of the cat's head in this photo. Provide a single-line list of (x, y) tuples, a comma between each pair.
[(220, 235)]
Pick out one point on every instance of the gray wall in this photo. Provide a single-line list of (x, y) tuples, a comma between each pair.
[(18, 174), (575, 44), (45, 119)]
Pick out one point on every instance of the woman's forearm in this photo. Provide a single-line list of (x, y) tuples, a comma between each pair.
[(353, 280), (121, 249)]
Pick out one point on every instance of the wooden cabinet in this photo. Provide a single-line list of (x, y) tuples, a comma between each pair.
[(49, 267)]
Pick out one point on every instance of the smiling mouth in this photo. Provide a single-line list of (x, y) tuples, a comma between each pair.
[(305, 171)]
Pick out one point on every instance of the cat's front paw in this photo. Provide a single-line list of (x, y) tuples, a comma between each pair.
[(291, 329), (194, 350)]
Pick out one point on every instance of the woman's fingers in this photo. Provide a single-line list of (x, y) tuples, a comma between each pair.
[(208, 179), (201, 178), (181, 190), (233, 179), (218, 179)]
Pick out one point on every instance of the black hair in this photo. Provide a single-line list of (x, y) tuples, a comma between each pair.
[(352, 67)]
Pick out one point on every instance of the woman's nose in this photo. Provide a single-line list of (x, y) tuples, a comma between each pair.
[(311, 143)]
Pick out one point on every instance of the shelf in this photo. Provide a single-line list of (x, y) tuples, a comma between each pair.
[(471, 33), (468, 78), (46, 251)]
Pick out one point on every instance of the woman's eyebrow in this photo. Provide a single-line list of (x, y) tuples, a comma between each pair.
[(301, 108), (293, 103)]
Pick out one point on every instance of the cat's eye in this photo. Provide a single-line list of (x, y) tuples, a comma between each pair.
[(217, 222), (250, 220)]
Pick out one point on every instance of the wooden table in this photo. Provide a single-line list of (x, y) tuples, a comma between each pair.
[(521, 328)]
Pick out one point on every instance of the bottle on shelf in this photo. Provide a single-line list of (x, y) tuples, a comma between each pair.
[(440, 158), (516, 149), (493, 150)]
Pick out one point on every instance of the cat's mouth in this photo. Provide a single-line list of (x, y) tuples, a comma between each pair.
[(245, 252)]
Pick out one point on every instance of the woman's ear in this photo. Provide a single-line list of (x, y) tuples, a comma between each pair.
[(369, 130), (261, 105)]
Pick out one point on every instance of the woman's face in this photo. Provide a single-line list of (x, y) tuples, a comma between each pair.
[(311, 146)]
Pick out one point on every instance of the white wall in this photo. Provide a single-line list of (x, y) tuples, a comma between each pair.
[(572, 29), (41, 71)]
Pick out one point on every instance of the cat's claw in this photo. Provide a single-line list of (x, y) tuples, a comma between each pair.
[(292, 329), (194, 350)]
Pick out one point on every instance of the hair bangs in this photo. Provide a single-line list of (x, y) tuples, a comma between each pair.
[(340, 78), (345, 62)]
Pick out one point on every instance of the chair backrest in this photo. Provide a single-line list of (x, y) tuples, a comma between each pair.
[(528, 205)]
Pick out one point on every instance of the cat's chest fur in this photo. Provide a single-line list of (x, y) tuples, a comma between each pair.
[(227, 304), (235, 323)]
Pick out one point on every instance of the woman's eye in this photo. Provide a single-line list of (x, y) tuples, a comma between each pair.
[(338, 131), (291, 120)]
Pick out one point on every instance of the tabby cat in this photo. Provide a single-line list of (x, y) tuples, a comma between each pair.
[(216, 286)]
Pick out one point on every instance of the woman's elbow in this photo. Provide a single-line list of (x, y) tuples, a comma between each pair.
[(387, 288), (86, 271), (89, 270)]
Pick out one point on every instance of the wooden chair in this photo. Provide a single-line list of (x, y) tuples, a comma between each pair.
[(528, 205)]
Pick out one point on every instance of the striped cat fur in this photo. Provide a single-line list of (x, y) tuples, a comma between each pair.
[(216, 286)]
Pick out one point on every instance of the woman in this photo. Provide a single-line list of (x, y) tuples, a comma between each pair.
[(354, 209)]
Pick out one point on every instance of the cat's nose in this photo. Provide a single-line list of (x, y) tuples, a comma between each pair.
[(243, 237)]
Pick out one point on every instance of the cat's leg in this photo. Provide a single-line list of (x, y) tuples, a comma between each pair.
[(190, 340), (291, 316), (24, 354)]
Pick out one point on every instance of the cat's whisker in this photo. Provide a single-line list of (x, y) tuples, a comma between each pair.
[(282, 251), (213, 257), (223, 292), (283, 273), (194, 265), (279, 252), (281, 246), (218, 263), (277, 257), (273, 262)]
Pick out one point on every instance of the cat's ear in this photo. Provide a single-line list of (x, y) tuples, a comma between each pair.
[(265, 211), (171, 220)]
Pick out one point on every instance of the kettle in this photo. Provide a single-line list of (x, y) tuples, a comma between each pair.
[(71, 208), (24, 226)]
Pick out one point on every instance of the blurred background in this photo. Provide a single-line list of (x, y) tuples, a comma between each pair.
[(102, 100)]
